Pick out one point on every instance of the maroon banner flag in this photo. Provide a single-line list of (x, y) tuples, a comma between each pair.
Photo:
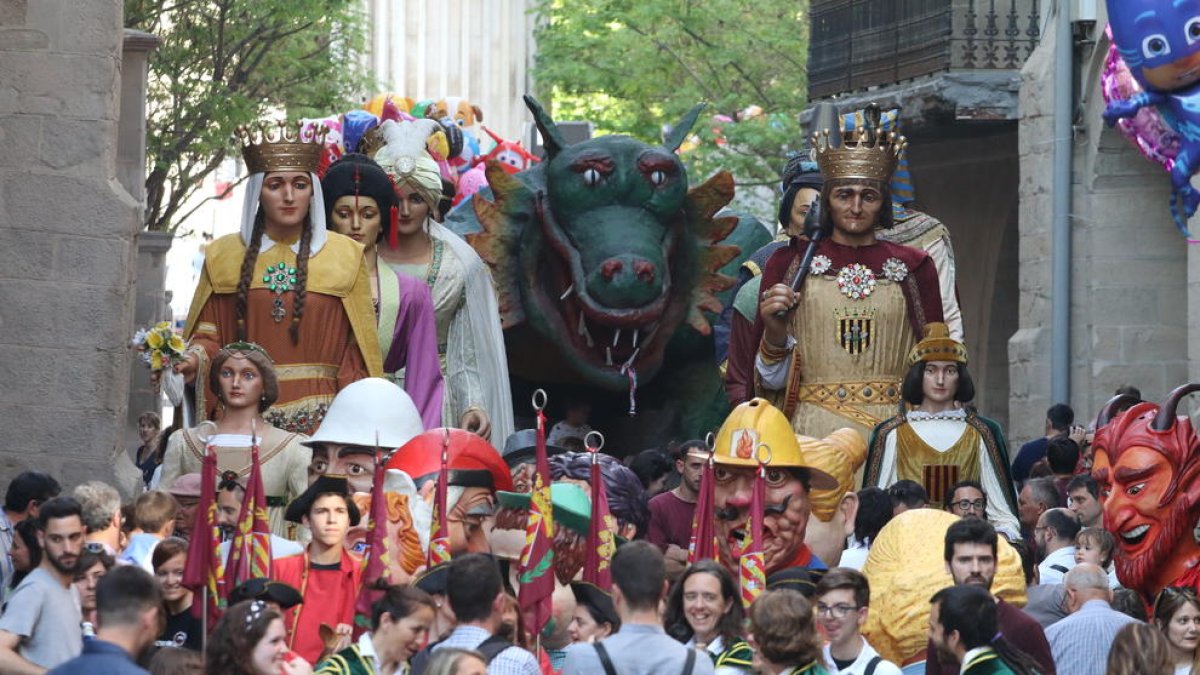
[(536, 570), (378, 554), (250, 550), (204, 570), (439, 537), (703, 542), (752, 571), (602, 533)]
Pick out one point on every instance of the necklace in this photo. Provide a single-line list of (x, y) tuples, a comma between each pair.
[(279, 278)]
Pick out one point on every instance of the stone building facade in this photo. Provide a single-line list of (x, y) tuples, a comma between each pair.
[(67, 242)]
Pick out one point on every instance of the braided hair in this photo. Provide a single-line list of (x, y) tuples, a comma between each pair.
[(251, 258)]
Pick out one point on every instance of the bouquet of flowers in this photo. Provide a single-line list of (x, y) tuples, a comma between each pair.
[(161, 347)]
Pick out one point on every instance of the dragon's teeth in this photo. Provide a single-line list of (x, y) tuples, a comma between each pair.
[(616, 337), (635, 338), (608, 356), (566, 293)]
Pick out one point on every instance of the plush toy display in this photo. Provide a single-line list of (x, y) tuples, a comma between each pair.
[(1159, 44), (512, 157)]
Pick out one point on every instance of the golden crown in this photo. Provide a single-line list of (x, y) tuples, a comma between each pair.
[(281, 146), (864, 153)]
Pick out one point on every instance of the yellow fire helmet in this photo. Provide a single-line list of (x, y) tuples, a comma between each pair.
[(757, 430)]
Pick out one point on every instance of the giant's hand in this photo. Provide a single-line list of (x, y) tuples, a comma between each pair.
[(776, 305), (188, 367), (476, 421)]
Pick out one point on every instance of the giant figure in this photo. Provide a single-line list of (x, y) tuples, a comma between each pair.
[(1147, 463)]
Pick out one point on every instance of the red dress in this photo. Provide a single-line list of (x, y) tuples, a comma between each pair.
[(329, 597)]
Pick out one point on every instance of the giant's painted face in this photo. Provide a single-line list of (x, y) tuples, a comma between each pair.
[(355, 462), (785, 520), (1159, 40), (466, 520)]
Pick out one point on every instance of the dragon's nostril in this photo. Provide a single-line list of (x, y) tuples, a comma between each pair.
[(645, 271), (611, 268)]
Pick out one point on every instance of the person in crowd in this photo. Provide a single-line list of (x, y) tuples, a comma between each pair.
[(129, 605), (874, 511), (40, 626), (907, 494), (328, 576), (400, 621), (91, 568), (1139, 649), (1083, 498), (278, 595), (475, 591), (1038, 496), (231, 492), (359, 203), (176, 661), (101, 515), (1062, 456), (641, 646), (595, 617), (145, 456), (1060, 420), (704, 611), (1128, 601), (465, 306), (672, 511), (154, 515), (1096, 545), (963, 627), (186, 491), (433, 582), (785, 637), (250, 639), (1081, 641), (1055, 537), (875, 297), (183, 628), (575, 425), (971, 553), (24, 496), (652, 468), (247, 382), (940, 440), (843, 601), (1177, 614), (512, 624), (968, 499), (26, 552), (451, 661), (286, 283)]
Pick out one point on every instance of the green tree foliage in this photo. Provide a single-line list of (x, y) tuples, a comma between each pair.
[(631, 66), (222, 63)]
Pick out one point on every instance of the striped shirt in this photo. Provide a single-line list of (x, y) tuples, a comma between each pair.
[(1080, 642)]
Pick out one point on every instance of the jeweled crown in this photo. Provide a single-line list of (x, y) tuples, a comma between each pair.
[(868, 153), (281, 146)]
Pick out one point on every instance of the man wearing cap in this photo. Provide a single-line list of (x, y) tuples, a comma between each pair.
[(329, 577), (366, 417), (433, 582), (476, 472), (756, 431), (939, 441), (186, 491)]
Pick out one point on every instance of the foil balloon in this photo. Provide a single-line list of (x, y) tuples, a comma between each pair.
[(1159, 43), (355, 124), (333, 140)]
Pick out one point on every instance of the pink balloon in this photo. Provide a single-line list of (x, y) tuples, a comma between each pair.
[(1151, 134)]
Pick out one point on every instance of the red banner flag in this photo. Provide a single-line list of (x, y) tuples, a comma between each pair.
[(536, 570), (752, 570), (703, 542), (602, 533), (378, 554), (250, 550), (204, 570), (439, 539)]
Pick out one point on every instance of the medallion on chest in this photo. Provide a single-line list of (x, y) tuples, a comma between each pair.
[(857, 281)]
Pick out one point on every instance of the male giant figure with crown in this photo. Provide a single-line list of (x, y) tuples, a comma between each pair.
[(832, 353), (287, 283)]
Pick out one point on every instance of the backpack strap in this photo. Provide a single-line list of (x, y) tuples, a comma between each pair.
[(491, 647), (417, 664), (872, 664), (690, 663), (605, 662)]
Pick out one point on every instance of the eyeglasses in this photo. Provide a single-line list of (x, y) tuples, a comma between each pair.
[(93, 547), (968, 505), (836, 611), (1173, 592)]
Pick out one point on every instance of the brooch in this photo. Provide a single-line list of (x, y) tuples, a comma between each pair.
[(856, 281), (820, 264), (895, 270)]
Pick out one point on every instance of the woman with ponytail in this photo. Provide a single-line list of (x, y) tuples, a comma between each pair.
[(285, 283)]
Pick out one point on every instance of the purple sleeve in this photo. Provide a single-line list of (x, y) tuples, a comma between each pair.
[(414, 348)]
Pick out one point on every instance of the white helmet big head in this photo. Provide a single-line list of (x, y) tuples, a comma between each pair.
[(367, 410)]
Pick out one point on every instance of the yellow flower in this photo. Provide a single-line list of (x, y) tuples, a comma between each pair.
[(154, 340), (156, 361), (176, 344), (163, 325)]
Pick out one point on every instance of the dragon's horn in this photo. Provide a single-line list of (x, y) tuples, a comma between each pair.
[(674, 137), (552, 138), (1165, 419)]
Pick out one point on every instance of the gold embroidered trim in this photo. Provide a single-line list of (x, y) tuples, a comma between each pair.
[(306, 371), (842, 398)]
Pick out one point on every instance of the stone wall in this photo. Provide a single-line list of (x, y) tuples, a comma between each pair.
[(1129, 274), (67, 232)]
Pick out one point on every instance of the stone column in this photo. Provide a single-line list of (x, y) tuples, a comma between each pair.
[(67, 231)]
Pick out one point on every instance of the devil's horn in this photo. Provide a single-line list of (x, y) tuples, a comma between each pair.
[(1166, 414)]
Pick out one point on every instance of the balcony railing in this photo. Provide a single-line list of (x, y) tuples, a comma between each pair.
[(864, 43)]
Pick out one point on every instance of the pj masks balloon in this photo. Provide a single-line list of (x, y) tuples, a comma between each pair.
[(1159, 40)]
